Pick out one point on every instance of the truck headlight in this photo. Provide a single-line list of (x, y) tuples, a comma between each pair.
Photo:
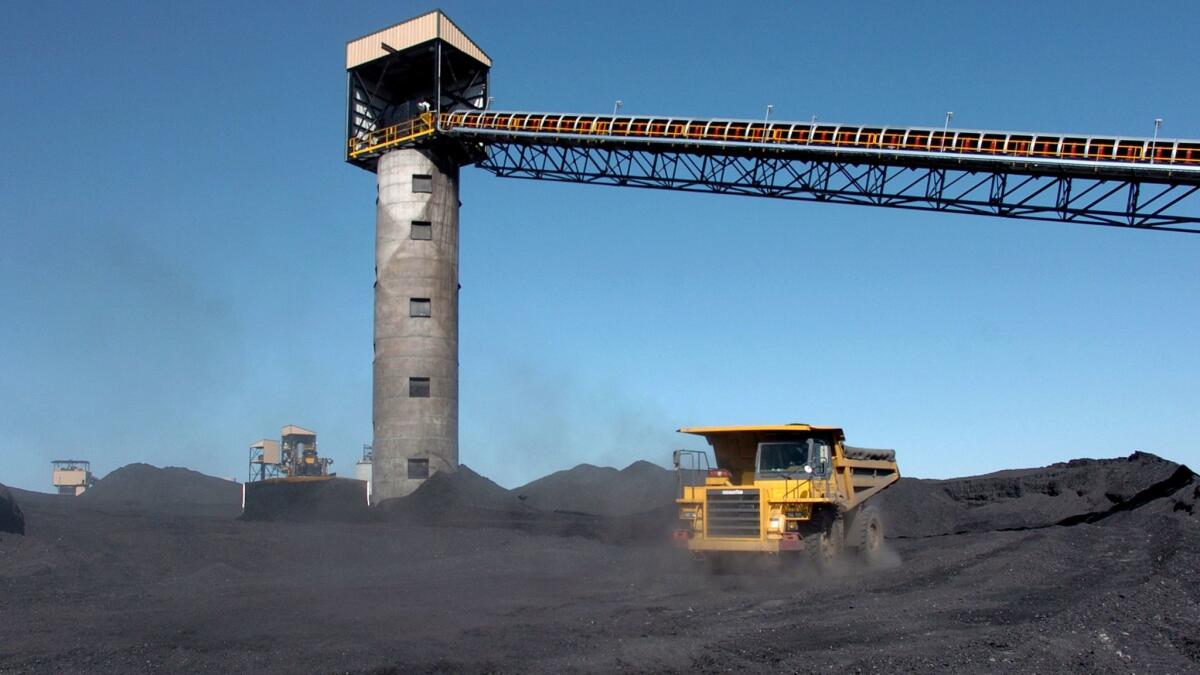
[(689, 515), (774, 524)]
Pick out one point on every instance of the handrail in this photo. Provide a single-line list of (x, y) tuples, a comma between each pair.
[(392, 136)]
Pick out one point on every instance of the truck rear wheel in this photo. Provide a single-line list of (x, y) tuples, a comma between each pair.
[(867, 533)]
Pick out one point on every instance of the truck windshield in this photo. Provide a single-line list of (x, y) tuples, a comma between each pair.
[(782, 457)]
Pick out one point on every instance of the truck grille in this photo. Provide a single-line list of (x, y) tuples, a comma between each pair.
[(733, 513)]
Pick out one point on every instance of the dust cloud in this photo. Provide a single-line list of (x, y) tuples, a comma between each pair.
[(128, 346), (552, 421)]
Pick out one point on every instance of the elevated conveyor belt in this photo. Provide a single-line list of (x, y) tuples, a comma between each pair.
[(1079, 154), (1144, 183)]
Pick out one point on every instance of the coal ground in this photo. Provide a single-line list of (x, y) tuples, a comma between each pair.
[(1087, 566)]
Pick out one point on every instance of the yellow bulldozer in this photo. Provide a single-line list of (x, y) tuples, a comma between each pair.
[(789, 490)]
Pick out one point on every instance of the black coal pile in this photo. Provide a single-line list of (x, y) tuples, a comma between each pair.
[(1110, 590), (166, 490), (459, 498), (1068, 492), (603, 491), (11, 518), (1177, 495), (465, 499), (335, 499)]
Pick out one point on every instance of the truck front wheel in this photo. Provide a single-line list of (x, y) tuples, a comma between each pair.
[(825, 542)]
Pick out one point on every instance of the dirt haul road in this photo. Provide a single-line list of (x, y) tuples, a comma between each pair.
[(111, 586)]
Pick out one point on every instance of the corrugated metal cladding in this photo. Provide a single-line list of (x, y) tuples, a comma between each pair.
[(452, 34), (409, 34)]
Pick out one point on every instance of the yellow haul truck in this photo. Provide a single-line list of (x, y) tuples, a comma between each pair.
[(786, 489)]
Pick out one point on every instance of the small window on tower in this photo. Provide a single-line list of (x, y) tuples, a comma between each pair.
[(421, 230), (419, 307), (422, 183), (418, 468), (418, 387)]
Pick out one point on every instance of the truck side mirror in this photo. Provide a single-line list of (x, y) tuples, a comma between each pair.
[(675, 458)]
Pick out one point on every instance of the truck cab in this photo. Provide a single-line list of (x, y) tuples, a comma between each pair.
[(782, 489)]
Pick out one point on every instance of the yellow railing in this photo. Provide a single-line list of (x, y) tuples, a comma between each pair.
[(398, 134)]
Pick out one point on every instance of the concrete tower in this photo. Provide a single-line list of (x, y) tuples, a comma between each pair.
[(416, 321), (401, 79)]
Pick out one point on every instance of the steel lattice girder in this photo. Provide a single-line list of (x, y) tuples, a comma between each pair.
[(1093, 201)]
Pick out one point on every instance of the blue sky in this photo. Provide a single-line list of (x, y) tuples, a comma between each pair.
[(186, 262)]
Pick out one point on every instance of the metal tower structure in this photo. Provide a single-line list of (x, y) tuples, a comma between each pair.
[(417, 112)]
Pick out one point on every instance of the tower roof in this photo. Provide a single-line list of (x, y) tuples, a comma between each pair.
[(418, 30), (293, 430)]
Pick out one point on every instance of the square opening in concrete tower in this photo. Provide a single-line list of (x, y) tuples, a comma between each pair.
[(401, 78)]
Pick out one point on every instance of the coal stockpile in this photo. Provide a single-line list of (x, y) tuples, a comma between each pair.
[(1177, 495), (332, 499), (604, 491), (449, 494), (168, 490), (463, 576), (1063, 493), (11, 518), (464, 499)]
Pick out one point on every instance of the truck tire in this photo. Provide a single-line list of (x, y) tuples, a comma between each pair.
[(824, 543), (866, 533)]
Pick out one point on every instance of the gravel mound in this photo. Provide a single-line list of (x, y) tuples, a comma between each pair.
[(336, 499), (169, 490), (1066, 493), (11, 518), (604, 491)]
